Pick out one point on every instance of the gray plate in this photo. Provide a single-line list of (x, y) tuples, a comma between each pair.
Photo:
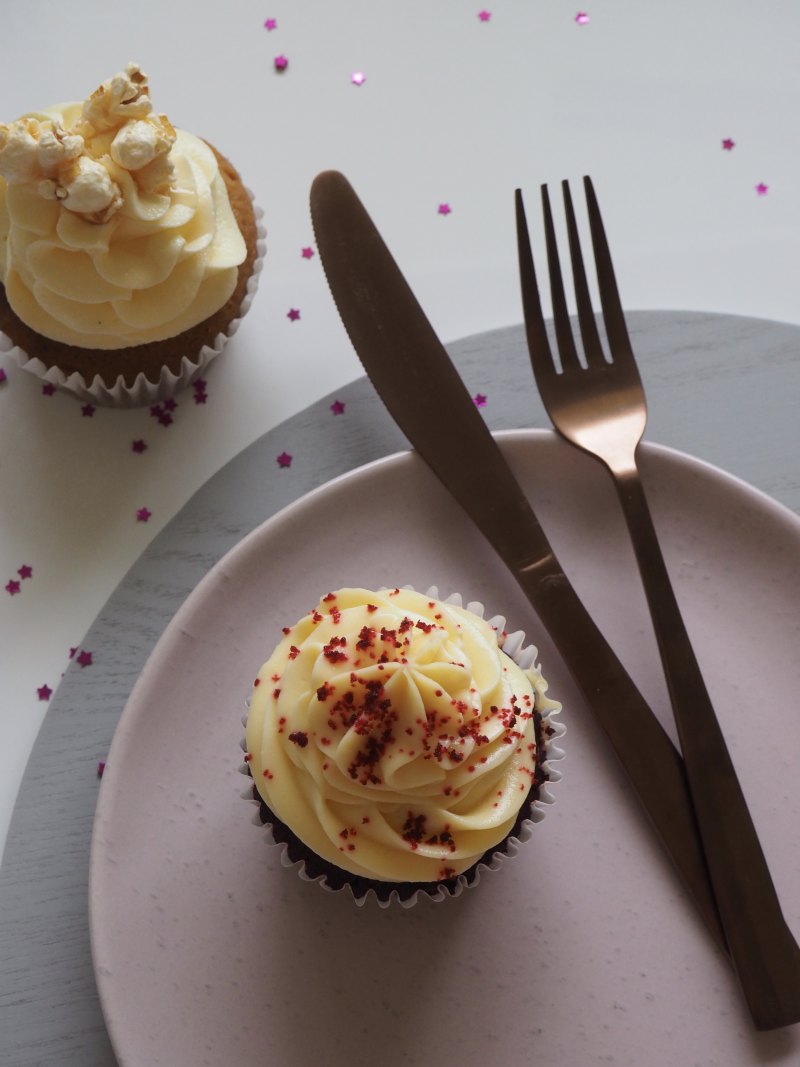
[(722, 388)]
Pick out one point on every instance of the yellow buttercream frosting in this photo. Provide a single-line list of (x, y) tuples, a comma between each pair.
[(115, 228), (393, 736)]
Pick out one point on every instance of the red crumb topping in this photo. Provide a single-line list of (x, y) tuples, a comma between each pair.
[(257, 682), (294, 652), (299, 738)]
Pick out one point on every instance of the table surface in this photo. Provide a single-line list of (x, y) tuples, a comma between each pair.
[(455, 109)]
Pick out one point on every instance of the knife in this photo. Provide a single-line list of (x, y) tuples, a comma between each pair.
[(423, 392)]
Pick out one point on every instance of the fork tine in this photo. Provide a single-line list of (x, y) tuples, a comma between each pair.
[(591, 338), (535, 330), (613, 316), (566, 342)]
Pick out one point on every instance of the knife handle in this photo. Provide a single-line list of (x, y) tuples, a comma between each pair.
[(650, 760)]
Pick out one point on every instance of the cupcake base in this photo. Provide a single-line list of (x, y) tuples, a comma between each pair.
[(333, 878), (143, 374)]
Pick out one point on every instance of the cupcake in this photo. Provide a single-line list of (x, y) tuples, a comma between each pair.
[(128, 249), (395, 747)]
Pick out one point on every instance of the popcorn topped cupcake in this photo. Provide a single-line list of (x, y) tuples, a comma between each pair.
[(128, 249)]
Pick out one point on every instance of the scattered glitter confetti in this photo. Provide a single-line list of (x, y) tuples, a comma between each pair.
[(12, 587), (358, 77), (3, 376), (139, 446), (581, 18), (728, 144), (87, 411), (25, 571), (444, 209), (85, 658), (284, 460), (159, 411), (293, 314), (48, 389), (44, 692), (484, 16), (281, 63), (337, 407), (762, 189), (270, 24), (307, 253), (143, 514), (479, 400)]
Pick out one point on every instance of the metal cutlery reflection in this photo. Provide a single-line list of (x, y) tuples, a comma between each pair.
[(600, 408), (417, 381)]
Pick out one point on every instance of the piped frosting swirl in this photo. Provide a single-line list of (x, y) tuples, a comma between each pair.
[(393, 736)]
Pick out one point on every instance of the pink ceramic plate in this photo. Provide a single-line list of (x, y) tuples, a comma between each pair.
[(583, 949)]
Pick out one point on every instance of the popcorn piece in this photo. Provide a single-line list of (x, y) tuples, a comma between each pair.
[(57, 147), (89, 190), (116, 101), (142, 147)]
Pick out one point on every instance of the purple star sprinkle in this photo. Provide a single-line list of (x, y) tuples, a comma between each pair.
[(87, 411), (281, 63), (44, 692), (85, 659), (762, 189), (484, 16), (444, 209), (3, 376), (139, 446), (200, 397), (25, 571), (12, 587), (101, 766), (728, 144), (158, 412), (358, 77), (143, 514), (307, 253), (337, 407), (72, 652), (271, 24), (170, 405), (581, 18), (284, 460), (479, 400), (293, 314), (48, 389)]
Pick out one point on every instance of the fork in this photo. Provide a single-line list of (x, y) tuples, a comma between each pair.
[(601, 409)]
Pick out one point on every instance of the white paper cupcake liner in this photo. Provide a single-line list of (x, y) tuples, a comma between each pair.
[(525, 656), (143, 391)]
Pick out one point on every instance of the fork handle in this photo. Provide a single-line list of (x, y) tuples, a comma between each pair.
[(764, 952)]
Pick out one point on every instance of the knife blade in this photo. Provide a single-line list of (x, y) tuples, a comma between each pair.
[(423, 392)]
